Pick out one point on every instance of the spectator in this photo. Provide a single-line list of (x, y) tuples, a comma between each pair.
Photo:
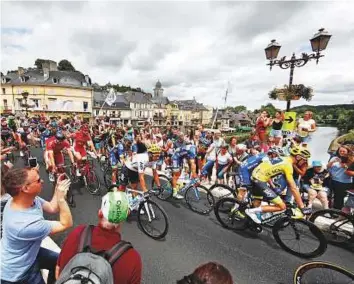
[(128, 268), (276, 132), (305, 126), (223, 162), (342, 171), (262, 122), (209, 273), (316, 184), (24, 227), (253, 142)]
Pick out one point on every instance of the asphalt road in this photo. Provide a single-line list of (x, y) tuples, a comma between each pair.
[(194, 239)]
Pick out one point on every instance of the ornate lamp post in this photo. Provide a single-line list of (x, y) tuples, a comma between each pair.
[(25, 105), (318, 43)]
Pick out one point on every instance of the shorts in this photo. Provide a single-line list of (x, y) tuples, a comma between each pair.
[(113, 159), (177, 164), (276, 133), (58, 158), (218, 171), (128, 176), (79, 150), (98, 145), (261, 191)]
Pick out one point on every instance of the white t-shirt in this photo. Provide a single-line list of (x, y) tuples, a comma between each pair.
[(216, 148), (304, 124), (140, 162), (224, 159)]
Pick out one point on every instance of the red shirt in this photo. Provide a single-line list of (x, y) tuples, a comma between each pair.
[(81, 139), (53, 145), (47, 141), (126, 270)]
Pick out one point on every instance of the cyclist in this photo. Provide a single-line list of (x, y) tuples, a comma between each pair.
[(116, 152), (203, 145), (82, 139), (23, 137), (54, 153), (6, 134), (182, 152), (267, 170), (133, 171)]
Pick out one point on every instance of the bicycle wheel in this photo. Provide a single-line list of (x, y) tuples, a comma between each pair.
[(166, 187), (299, 237), (199, 199), (107, 177), (220, 191), (152, 219), (92, 183), (70, 199), (319, 272), (336, 225), (230, 213)]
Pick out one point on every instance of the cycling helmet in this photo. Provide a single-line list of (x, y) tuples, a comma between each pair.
[(60, 136), (275, 150), (41, 128), (154, 149), (300, 151), (53, 124)]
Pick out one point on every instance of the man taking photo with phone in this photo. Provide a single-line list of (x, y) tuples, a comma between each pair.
[(24, 226)]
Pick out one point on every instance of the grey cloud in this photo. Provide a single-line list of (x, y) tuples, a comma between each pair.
[(102, 48), (154, 54), (265, 17), (344, 87), (46, 6)]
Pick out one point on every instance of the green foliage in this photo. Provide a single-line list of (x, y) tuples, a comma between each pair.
[(269, 108), (65, 65), (292, 92), (38, 63), (241, 137), (237, 109)]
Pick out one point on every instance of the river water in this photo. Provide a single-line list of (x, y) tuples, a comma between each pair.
[(320, 142)]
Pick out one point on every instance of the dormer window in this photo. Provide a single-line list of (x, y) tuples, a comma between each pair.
[(55, 80)]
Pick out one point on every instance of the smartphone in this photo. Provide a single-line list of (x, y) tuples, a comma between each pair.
[(63, 177), (32, 162)]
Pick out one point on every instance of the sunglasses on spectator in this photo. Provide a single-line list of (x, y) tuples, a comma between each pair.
[(35, 181)]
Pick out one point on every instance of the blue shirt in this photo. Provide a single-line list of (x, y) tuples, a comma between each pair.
[(338, 173), (23, 232)]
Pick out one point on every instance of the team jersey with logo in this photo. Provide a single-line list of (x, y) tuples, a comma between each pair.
[(267, 170)]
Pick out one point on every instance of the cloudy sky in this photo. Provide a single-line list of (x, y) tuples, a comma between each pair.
[(194, 48)]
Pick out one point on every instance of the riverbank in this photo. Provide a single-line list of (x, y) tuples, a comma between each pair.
[(346, 138)]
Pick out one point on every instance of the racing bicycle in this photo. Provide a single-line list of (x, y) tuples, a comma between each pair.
[(152, 219), (294, 234), (322, 273), (198, 198)]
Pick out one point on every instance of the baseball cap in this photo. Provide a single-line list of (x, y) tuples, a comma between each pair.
[(317, 164), (115, 207)]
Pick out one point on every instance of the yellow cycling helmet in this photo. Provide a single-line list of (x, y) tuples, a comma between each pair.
[(300, 151), (154, 149)]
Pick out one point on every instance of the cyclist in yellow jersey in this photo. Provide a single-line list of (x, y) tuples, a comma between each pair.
[(264, 172)]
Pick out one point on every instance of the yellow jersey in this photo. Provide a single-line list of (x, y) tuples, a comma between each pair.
[(266, 170)]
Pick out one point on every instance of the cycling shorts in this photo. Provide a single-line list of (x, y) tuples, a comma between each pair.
[(261, 191), (79, 150), (177, 163), (128, 176), (114, 159)]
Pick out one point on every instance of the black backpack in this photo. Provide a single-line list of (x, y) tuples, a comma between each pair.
[(89, 266)]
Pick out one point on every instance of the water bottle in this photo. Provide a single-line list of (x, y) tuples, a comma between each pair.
[(130, 198)]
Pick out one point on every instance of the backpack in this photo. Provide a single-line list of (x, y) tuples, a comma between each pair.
[(89, 266)]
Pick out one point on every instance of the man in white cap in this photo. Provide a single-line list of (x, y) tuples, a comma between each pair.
[(113, 212)]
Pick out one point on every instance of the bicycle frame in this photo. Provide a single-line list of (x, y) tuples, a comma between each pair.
[(132, 207)]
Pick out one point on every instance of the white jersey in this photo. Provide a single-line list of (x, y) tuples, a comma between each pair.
[(140, 162)]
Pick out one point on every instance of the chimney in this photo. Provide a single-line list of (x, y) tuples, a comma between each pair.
[(53, 65), (46, 69), (21, 71)]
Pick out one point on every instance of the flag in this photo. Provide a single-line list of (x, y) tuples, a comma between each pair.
[(111, 97)]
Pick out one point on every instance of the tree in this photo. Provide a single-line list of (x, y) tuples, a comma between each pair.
[(65, 65), (38, 63)]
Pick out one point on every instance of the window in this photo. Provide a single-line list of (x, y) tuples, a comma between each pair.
[(140, 113), (3, 91), (19, 102), (55, 80), (35, 103), (5, 104), (113, 113), (85, 105)]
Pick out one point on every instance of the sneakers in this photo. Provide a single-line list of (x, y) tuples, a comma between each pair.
[(78, 173), (51, 177), (254, 216), (177, 195)]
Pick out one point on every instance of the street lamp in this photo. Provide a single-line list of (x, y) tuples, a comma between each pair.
[(318, 42), (25, 105)]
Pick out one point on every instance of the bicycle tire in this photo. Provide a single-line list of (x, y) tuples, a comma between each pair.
[(220, 191), (234, 217), (152, 212), (285, 222), (91, 188), (304, 268), (195, 191), (333, 232), (107, 177), (167, 190)]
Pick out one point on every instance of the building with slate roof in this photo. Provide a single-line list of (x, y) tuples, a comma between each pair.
[(49, 91)]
